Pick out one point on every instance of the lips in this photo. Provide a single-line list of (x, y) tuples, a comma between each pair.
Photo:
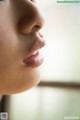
[(35, 60)]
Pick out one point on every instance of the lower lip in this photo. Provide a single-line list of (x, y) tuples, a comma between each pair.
[(33, 61)]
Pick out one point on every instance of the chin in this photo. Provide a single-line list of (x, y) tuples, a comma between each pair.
[(29, 82), (25, 82), (20, 82)]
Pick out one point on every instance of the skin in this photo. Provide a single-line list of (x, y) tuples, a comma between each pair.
[(20, 24)]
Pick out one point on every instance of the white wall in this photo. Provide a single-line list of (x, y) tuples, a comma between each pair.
[(62, 34)]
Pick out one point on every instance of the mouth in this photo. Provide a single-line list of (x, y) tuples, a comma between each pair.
[(34, 60)]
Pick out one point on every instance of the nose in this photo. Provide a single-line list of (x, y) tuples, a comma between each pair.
[(31, 19)]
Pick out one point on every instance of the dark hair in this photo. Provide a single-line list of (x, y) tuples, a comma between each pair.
[(4, 103)]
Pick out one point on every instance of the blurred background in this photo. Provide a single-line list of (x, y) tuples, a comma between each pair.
[(57, 96)]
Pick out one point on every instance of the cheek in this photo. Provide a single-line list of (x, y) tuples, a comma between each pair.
[(14, 77), (6, 57), (7, 49)]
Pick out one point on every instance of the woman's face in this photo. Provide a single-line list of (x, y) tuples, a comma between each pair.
[(20, 42)]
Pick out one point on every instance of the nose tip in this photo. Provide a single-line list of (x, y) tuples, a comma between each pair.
[(38, 25), (28, 25)]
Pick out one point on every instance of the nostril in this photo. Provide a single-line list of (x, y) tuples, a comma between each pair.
[(28, 28), (38, 24), (36, 28)]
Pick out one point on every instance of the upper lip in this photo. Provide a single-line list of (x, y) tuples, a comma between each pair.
[(38, 43)]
